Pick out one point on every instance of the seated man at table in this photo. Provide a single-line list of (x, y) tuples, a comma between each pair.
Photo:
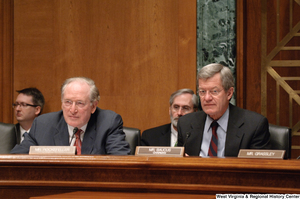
[(28, 105), (221, 129), (97, 131), (182, 102)]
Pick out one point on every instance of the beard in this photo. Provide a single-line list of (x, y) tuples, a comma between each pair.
[(174, 121)]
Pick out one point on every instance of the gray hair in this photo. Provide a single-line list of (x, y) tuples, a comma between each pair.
[(212, 69), (195, 99), (94, 92)]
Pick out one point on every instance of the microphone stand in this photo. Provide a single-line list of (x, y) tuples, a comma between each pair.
[(74, 131)]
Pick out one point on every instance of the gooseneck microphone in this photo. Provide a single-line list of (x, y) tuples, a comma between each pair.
[(188, 134), (74, 131)]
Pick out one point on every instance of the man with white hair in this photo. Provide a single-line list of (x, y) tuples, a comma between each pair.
[(97, 131)]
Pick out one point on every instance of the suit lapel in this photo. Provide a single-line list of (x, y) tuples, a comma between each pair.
[(194, 141), (89, 136), (234, 135), (61, 133), (18, 133), (165, 138)]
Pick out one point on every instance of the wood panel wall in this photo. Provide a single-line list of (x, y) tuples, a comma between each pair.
[(6, 61), (137, 51), (263, 27), (249, 55)]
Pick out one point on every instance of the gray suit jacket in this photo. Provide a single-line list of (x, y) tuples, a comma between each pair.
[(158, 136), (104, 134), (245, 130)]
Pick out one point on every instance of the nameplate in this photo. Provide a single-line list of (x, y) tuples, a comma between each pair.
[(272, 154), (52, 150), (159, 151)]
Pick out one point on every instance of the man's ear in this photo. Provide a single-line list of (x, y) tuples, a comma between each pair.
[(37, 110), (94, 106), (230, 93)]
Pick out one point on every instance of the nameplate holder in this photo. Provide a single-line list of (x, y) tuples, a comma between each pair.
[(159, 151), (270, 154), (52, 150)]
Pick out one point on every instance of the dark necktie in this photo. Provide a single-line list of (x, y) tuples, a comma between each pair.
[(78, 141), (23, 136), (213, 147)]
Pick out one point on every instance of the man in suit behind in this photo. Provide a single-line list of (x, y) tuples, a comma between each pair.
[(236, 128), (100, 131), (28, 105), (182, 102)]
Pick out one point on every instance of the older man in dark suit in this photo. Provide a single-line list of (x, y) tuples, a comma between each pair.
[(97, 131), (221, 129), (181, 102)]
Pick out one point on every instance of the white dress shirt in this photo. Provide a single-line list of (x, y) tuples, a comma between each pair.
[(72, 136), (22, 131), (174, 136)]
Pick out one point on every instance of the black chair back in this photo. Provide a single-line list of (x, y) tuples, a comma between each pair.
[(281, 139), (7, 137), (132, 137)]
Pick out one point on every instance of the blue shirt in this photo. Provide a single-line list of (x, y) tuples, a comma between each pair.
[(221, 132)]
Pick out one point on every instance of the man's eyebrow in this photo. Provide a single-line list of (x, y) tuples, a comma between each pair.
[(216, 87)]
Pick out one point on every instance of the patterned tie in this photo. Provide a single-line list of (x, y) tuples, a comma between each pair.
[(213, 147), (78, 141), (23, 136)]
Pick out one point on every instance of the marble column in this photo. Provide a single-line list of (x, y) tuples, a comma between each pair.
[(216, 33)]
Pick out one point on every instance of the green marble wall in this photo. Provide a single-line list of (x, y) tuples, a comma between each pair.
[(216, 33)]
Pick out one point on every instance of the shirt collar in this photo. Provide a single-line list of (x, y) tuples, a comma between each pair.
[(71, 128), (174, 136), (222, 122), (22, 131)]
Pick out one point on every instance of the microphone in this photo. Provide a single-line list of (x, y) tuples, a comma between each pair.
[(74, 131), (188, 134)]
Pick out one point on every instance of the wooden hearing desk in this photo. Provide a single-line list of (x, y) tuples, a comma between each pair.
[(24, 176)]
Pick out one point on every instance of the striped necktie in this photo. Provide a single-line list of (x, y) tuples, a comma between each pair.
[(213, 147), (78, 141)]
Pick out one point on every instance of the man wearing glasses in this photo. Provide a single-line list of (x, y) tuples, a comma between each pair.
[(221, 129), (80, 123), (182, 102), (28, 105)]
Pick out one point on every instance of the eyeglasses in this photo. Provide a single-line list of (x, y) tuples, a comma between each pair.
[(184, 109), (211, 92), (22, 105), (69, 103)]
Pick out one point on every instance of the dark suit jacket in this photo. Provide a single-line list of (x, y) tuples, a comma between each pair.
[(18, 133), (245, 130), (158, 136), (104, 133)]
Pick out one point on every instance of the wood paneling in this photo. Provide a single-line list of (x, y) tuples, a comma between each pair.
[(268, 62), (137, 51), (6, 60), (24, 176), (123, 195)]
